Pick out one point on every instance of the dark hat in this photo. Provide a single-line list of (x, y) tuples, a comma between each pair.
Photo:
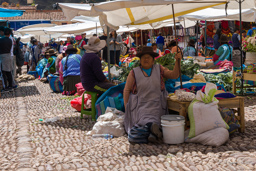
[(147, 50), (224, 39), (71, 50), (51, 52)]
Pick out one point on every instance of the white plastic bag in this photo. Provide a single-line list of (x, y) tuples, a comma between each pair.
[(112, 122), (114, 72)]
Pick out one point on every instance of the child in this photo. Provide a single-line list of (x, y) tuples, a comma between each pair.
[(149, 44)]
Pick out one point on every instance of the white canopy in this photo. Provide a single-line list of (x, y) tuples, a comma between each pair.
[(41, 38), (36, 29), (84, 19), (72, 28), (136, 12), (212, 14)]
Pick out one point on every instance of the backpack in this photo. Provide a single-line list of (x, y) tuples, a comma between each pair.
[(19, 54)]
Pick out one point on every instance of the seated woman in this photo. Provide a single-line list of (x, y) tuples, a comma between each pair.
[(145, 96), (190, 50), (92, 77), (42, 63), (224, 51), (50, 67), (156, 50), (70, 71)]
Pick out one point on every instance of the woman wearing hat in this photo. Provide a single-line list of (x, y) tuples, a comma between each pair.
[(50, 67), (145, 96), (224, 51), (70, 71), (92, 77), (42, 64), (190, 50), (59, 58)]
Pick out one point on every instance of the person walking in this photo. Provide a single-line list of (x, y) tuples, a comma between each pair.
[(236, 40), (6, 59), (160, 42), (216, 37)]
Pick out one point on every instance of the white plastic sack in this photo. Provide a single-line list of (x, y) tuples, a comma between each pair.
[(184, 96), (215, 137), (112, 122), (114, 72)]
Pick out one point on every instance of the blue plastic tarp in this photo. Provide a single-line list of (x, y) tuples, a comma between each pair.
[(10, 13)]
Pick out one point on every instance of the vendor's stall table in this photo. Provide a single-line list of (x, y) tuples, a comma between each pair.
[(248, 77), (237, 102)]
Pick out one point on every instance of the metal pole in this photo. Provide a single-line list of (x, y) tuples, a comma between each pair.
[(184, 33), (137, 38), (178, 49), (205, 35), (109, 76), (141, 38), (240, 15), (197, 27), (96, 27)]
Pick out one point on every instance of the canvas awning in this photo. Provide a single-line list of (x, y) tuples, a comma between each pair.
[(136, 12), (10, 12)]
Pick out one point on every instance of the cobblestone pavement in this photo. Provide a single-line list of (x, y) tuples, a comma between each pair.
[(29, 144)]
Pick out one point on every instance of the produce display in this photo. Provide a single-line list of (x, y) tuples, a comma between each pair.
[(188, 67)]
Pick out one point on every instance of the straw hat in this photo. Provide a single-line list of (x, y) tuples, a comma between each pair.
[(147, 50), (94, 45)]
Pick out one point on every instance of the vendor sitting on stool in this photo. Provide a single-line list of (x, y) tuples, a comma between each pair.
[(91, 74), (224, 51), (145, 97)]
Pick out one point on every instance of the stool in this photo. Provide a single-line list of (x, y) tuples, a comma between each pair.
[(92, 111), (34, 73)]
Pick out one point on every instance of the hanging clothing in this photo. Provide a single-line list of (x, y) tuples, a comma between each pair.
[(149, 103)]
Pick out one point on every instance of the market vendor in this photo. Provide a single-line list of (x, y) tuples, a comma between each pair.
[(190, 50), (156, 50), (69, 71), (252, 31), (50, 67), (91, 74), (224, 51), (145, 96)]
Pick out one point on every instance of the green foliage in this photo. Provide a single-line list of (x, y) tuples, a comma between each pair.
[(224, 79), (125, 71), (168, 61)]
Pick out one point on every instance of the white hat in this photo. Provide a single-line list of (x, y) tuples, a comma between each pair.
[(94, 45)]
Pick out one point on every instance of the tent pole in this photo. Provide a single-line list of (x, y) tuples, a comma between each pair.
[(137, 38), (240, 15), (184, 33), (141, 38), (205, 35), (178, 49), (197, 27), (96, 27), (108, 50)]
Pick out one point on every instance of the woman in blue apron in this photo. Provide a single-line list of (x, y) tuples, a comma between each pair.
[(190, 50), (145, 97)]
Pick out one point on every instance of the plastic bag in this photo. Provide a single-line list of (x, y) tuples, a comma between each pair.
[(77, 102), (109, 123), (80, 89), (114, 72), (184, 96)]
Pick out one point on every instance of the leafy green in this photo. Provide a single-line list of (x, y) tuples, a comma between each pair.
[(125, 71)]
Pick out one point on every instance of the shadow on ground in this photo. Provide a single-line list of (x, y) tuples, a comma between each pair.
[(84, 124)]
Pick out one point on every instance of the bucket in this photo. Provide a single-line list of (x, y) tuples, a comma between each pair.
[(173, 129)]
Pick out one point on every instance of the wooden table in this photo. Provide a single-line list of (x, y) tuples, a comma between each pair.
[(237, 102), (246, 76)]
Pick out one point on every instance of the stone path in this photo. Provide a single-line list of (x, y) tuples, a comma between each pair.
[(29, 144)]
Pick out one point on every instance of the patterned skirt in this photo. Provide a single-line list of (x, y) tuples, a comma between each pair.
[(69, 84)]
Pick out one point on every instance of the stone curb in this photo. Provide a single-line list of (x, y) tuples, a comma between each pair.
[(24, 150)]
